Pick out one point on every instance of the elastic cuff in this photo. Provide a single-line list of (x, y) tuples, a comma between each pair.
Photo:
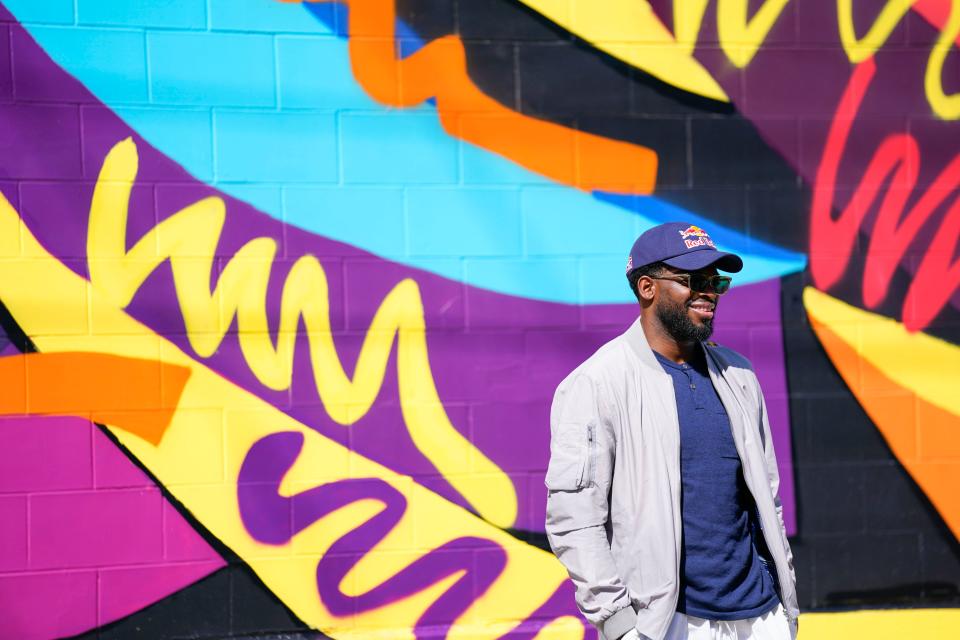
[(619, 623)]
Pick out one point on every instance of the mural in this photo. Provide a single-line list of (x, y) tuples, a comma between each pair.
[(286, 288)]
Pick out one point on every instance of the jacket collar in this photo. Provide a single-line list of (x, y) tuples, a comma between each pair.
[(638, 342)]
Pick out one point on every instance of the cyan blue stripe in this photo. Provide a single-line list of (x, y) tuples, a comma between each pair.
[(558, 227), (662, 211)]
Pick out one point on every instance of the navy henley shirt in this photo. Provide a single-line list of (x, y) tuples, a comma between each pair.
[(723, 574)]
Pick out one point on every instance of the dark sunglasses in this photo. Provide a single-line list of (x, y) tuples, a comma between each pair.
[(699, 282)]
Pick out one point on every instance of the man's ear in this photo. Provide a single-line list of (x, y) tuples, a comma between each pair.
[(646, 288)]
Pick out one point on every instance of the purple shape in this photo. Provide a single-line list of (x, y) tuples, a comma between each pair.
[(487, 438), (10, 192), (273, 519), (40, 141), (486, 312), (38, 606), (29, 81), (446, 312), (6, 76), (59, 198)]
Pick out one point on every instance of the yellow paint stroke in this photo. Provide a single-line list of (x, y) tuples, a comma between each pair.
[(630, 31), (687, 20), (916, 361), (928, 624), (859, 49), (947, 107), (215, 424), (189, 239), (740, 37)]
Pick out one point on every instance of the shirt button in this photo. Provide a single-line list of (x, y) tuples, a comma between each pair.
[(693, 386)]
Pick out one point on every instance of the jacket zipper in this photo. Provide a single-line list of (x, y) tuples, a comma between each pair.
[(591, 454)]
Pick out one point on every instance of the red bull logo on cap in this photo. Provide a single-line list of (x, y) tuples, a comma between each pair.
[(693, 236)]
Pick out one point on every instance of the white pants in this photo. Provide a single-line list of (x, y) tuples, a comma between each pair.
[(772, 625)]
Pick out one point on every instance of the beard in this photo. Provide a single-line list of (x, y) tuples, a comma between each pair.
[(677, 322)]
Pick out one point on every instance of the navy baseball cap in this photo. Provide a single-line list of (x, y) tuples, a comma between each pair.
[(680, 245)]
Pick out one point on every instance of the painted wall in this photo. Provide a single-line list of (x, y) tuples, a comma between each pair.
[(286, 290)]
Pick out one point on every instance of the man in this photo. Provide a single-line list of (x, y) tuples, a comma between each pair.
[(662, 484)]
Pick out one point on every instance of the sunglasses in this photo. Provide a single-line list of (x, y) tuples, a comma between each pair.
[(699, 282)]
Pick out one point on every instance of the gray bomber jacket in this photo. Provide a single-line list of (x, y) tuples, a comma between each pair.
[(613, 499)]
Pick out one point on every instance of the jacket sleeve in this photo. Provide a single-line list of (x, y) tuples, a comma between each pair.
[(773, 476), (578, 480)]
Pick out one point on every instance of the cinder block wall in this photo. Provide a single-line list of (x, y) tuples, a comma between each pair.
[(374, 237)]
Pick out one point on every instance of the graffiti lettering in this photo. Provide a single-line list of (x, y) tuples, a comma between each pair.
[(189, 238), (859, 49), (741, 37), (893, 169)]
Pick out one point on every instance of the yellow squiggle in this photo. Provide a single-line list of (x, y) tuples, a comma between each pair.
[(947, 107), (859, 49), (189, 240), (740, 38)]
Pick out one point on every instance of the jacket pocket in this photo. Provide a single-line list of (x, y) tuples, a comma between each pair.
[(571, 451)]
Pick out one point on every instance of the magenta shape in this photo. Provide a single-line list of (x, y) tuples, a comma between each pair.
[(124, 590), (62, 444), (67, 530), (113, 471), (48, 461), (6, 79), (181, 542), (38, 606), (13, 533)]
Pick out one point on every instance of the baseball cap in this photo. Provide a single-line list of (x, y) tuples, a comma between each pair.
[(680, 245)]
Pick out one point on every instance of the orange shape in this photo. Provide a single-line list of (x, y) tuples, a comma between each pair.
[(139, 396), (924, 438)]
